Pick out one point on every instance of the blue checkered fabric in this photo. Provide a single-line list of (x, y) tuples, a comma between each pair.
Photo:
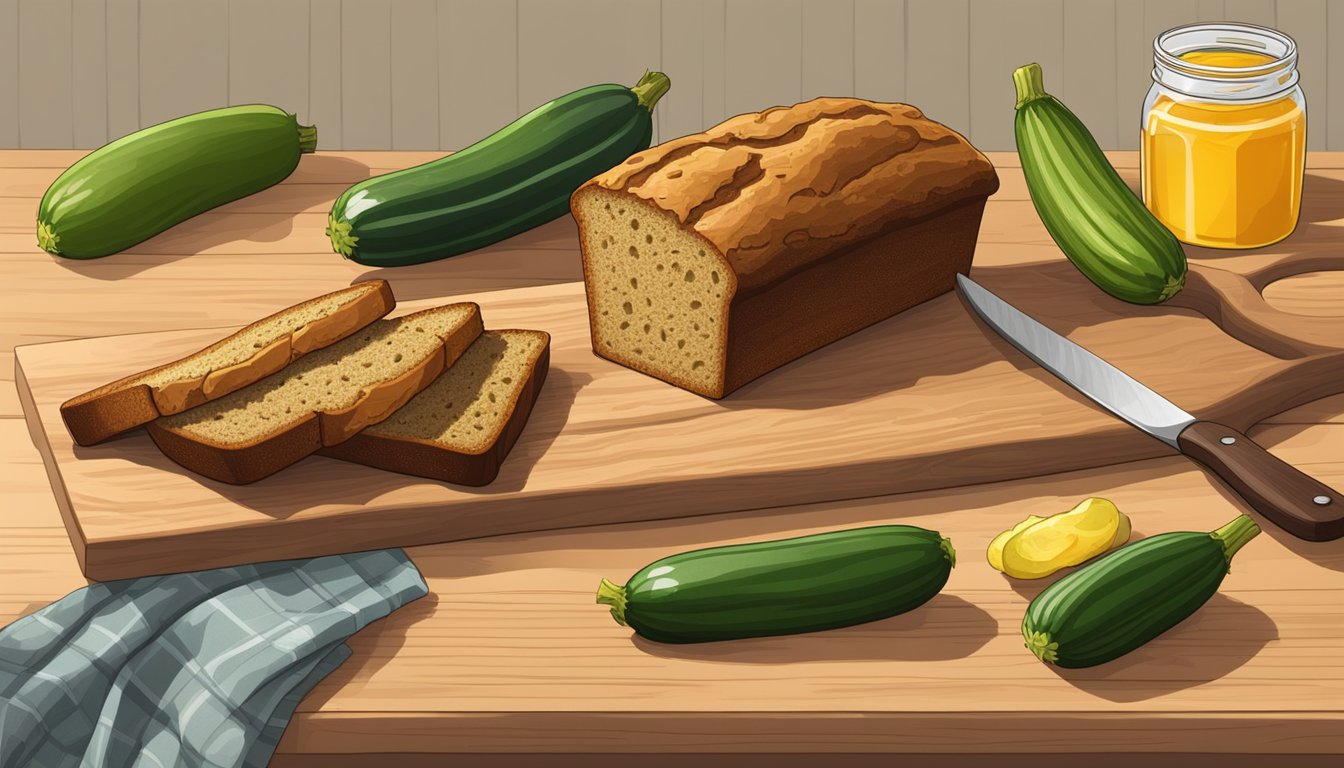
[(195, 669)]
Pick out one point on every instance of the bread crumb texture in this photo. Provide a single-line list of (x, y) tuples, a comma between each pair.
[(465, 410), (676, 234), (327, 380), (658, 295), (250, 341)]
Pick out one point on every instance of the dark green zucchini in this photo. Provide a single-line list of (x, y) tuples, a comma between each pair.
[(141, 184), (802, 584), (515, 179), (1104, 610), (1095, 219)]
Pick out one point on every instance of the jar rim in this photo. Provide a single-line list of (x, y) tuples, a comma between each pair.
[(1260, 82), (1166, 54)]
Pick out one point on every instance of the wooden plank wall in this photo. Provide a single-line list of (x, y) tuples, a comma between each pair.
[(438, 74)]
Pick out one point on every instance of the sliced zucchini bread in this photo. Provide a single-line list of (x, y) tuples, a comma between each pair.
[(319, 400), (461, 427), (243, 358)]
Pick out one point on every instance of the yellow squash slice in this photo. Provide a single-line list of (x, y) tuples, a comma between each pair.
[(995, 552), (1035, 550)]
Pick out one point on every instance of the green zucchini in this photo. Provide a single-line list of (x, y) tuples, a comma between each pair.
[(802, 584), (1103, 611), (1095, 219), (141, 184), (515, 179)]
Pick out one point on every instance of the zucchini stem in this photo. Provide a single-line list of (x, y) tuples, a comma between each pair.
[(651, 88), (1041, 645), (1235, 534), (307, 139), (342, 241), (948, 551), (1030, 84), (609, 593), (47, 239)]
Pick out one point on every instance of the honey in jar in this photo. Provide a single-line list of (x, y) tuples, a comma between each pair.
[(1224, 135)]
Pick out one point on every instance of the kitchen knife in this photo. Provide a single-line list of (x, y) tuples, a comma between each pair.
[(1295, 502)]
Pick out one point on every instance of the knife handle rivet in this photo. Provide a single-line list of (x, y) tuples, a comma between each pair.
[(1322, 500), (1227, 440)]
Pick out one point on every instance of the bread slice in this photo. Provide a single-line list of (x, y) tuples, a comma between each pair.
[(463, 425), (319, 400), (228, 365)]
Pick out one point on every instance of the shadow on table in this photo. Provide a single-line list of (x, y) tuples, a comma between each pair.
[(316, 480), (203, 232), (1030, 588), (371, 649), (1326, 554), (540, 256), (1215, 641), (946, 627)]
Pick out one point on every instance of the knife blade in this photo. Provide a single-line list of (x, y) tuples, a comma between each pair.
[(1290, 499)]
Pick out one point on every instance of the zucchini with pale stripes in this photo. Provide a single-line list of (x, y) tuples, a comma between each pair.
[(141, 184), (1093, 216), (1113, 606), (517, 178)]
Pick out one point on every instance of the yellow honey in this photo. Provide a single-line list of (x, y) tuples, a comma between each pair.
[(1224, 136)]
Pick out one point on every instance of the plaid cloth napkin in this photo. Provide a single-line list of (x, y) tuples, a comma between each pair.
[(194, 669)]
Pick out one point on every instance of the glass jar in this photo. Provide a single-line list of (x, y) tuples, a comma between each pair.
[(1224, 135)]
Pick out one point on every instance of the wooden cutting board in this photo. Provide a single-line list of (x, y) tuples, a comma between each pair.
[(928, 399)]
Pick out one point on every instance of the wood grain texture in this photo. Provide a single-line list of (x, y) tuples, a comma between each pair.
[(1087, 78), (713, 95), (366, 76), (88, 94), (415, 74), (1133, 71), (519, 602), (1211, 10), (937, 38), (762, 54), (1307, 22), (1315, 293), (1047, 428), (268, 61), (1335, 74), (9, 73), (684, 35), (184, 58), (45, 81), (828, 34), (324, 73), (717, 57), (879, 49), (1259, 12), (598, 41), (123, 67), (1003, 37), (510, 759), (1281, 493), (478, 69), (508, 661)]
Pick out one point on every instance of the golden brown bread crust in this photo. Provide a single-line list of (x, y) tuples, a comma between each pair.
[(425, 458), (827, 216), (249, 462), (129, 402), (777, 190)]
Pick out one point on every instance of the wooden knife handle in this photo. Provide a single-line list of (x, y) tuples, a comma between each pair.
[(1295, 502)]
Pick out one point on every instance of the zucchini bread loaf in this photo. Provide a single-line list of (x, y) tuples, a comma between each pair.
[(717, 257)]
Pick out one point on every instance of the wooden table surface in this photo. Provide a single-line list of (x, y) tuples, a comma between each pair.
[(508, 660)]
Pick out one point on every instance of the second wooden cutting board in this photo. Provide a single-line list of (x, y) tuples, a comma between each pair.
[(925, 400)]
